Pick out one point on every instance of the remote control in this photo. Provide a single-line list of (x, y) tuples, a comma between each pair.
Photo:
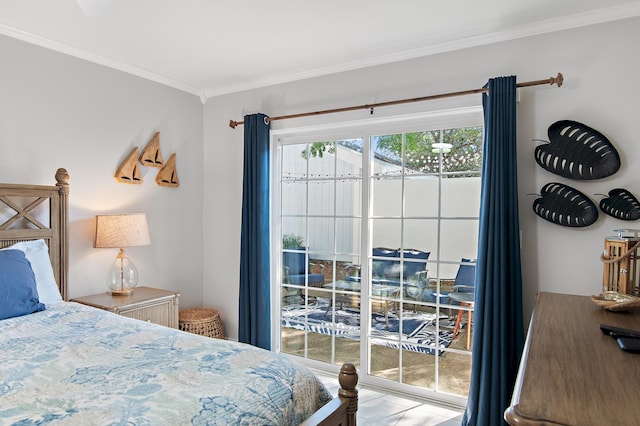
[(629, 344), (610, 330)]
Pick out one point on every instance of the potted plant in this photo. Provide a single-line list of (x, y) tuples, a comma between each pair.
[(292, 241)]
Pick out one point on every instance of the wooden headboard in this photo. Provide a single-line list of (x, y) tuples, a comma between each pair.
[(32, 212)]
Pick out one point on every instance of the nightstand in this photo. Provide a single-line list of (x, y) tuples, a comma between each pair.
[(146, 304)]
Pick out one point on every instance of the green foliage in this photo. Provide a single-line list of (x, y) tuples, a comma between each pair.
[(465, 154), (317, 149), (292, 241)]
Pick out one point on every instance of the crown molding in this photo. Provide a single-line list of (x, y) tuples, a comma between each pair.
[(97, 59), (463, 42)]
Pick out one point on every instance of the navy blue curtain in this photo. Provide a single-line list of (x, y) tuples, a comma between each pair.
[(254, 318), (499, 332)]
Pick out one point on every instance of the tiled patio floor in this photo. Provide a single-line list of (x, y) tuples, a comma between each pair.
[(418, 369)]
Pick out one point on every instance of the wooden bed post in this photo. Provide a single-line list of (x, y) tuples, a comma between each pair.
[(62, 182), (341, 410), (348, 380)]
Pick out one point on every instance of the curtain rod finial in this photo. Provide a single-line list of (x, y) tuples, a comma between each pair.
[(558, 79), (233, 124)]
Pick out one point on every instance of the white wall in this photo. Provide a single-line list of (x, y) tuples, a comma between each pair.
[(600, 90), (59, 111)]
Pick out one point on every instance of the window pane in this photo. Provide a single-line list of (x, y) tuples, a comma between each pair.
[(293, 229), (421, 196), (385, 233), (348, 268), (384, 362), (321, 198), (454, 370), (387, 155), (461, 197), (321, 234), (294, 197), (322, 160), (466, 150), (421, 234), (348, 236), (418, 369), (294, 164), (465, 235), (418, 152), (349, 198), (386, 197), (349, 153)]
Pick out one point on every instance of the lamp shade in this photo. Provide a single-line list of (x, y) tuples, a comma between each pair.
[(121, 230)]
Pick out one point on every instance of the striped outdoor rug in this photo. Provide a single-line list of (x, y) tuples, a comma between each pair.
[(418, 331)]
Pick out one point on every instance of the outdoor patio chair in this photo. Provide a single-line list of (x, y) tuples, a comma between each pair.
[(464, 290), (387, 270), (297, 271)]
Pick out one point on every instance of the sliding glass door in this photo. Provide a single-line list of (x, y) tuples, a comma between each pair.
[(373, 230), (321, 223)]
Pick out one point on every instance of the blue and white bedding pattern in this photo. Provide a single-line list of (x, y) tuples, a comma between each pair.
[(73, 364)]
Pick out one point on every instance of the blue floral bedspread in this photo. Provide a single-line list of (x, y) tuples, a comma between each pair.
[(72, 364)]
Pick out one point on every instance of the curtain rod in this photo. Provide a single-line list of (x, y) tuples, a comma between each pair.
[(558, 79)]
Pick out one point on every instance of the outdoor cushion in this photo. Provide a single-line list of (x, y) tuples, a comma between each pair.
[(411, 268), (297, 269), (295, 261), (314, 279), (385, 268)]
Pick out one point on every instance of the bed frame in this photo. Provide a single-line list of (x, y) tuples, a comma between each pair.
[(18, 203)]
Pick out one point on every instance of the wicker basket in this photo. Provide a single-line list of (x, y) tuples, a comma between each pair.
[(202, 321), (616, 302)]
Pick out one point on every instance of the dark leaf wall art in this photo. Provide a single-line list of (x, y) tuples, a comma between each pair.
[(621, 204), (576, 151), (566, 206)]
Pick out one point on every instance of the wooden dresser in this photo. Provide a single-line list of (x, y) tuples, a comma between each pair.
[(571, 373)]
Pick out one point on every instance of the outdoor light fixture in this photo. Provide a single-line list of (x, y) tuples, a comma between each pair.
[(439, 147), (120, 231)]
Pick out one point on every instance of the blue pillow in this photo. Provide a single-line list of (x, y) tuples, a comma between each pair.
[(18, 293)]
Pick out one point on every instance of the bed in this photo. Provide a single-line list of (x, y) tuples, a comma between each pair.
[(66, 363)]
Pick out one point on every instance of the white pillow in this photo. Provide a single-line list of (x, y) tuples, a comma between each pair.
[(37, 252)]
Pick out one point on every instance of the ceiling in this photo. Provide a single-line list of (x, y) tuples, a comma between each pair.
[(209, 47)]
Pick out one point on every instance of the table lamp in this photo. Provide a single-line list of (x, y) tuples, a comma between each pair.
[(120, 231)]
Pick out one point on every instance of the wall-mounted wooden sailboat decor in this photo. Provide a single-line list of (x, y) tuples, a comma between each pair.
[(128, 172), (151, 155), (168, 176)]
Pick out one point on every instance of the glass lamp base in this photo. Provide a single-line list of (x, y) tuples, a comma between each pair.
[(123, 276), (124, 292)]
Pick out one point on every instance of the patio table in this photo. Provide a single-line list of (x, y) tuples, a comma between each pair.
[(349, 292)]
